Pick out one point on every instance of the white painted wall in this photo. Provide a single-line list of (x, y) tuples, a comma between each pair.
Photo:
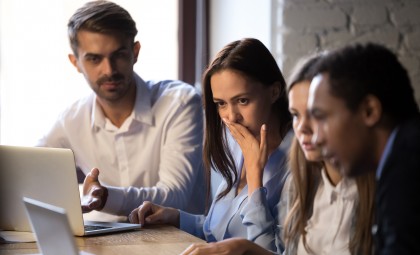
[(231, 20), (37, 80)]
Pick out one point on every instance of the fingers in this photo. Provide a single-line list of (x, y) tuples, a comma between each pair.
[(239, 132), (90, 203), (97, 191), (133, 217), (197, 249), (85, 208), (92, 176), (91, 181), (190, 249), (138, 215), (94, 194), (149, 213), (230, 246), (263, 142)]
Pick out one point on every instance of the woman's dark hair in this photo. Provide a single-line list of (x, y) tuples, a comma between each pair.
[(101, 17), (252, 59)]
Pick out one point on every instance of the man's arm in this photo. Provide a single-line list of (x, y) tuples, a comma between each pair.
[(180, 170)]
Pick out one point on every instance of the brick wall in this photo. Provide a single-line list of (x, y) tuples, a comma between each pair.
[(304, 26)]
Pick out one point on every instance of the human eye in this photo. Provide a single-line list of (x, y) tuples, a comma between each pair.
[(318, 115), (295, 115), (219, 104), (121, 54), (94, 59), (243, 101)]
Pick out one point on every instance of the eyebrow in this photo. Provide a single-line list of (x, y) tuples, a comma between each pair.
[(91, 54), (88, 55), (235, 97), (292, 109)]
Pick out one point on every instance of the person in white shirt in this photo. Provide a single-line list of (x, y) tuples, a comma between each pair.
[(134, 140)]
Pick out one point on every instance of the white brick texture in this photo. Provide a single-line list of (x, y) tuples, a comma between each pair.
[(305, 26)]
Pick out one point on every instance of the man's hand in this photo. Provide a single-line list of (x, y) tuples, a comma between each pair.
[(149, 213), (94, 194)]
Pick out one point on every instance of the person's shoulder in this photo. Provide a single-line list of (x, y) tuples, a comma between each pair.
[(78, 108), (408, 135), (403, 163), (175, 89)]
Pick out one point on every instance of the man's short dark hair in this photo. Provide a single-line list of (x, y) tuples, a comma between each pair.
[(101, 17), (358, 70)]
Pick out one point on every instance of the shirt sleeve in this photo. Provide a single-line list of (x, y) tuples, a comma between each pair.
[(181, 176), (55, 138), (192, 224), (260, 223)]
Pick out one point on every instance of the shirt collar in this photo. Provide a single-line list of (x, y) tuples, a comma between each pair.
[(386, 153), (346, 189), (142, 106)]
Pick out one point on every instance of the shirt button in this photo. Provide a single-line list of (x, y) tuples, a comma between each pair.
[(374, 229)]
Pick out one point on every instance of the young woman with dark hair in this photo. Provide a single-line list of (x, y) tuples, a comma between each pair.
[(247, 137)]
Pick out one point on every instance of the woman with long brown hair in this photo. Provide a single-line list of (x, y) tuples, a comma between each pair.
[(247, 138)]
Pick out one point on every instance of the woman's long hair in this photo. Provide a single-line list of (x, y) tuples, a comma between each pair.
[(252, 59)]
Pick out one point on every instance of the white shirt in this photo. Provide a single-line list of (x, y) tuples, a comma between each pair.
[(156, 154), (329, 228)]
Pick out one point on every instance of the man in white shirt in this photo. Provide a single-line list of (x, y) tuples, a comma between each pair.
[(143, 139)]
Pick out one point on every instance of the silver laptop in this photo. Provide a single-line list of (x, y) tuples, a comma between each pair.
[(48, 175), (51, 227)]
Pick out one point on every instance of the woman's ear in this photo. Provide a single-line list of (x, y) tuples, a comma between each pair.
[(275, 91)]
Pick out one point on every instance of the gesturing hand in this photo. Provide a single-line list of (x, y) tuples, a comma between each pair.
[(94, 194), (255, 153)]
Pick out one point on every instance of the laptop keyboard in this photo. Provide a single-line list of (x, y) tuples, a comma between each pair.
[(93, 227)]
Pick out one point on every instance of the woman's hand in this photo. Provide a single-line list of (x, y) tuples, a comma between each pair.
[(255, 153), (231, 246), (149, 213)]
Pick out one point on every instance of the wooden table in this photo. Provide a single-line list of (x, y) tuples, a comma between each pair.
[(153, 240)]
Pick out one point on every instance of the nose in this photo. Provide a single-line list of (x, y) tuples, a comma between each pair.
[(304, 125), (108, 67), (318, 137), (232, 114)]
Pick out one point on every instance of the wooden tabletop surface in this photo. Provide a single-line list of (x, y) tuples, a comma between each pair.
[(153, 240)]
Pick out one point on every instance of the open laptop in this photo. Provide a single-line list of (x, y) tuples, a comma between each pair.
[(48, 175), (51, 227)]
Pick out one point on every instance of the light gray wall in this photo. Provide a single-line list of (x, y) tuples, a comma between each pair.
[(303, 26), (232, 20)]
